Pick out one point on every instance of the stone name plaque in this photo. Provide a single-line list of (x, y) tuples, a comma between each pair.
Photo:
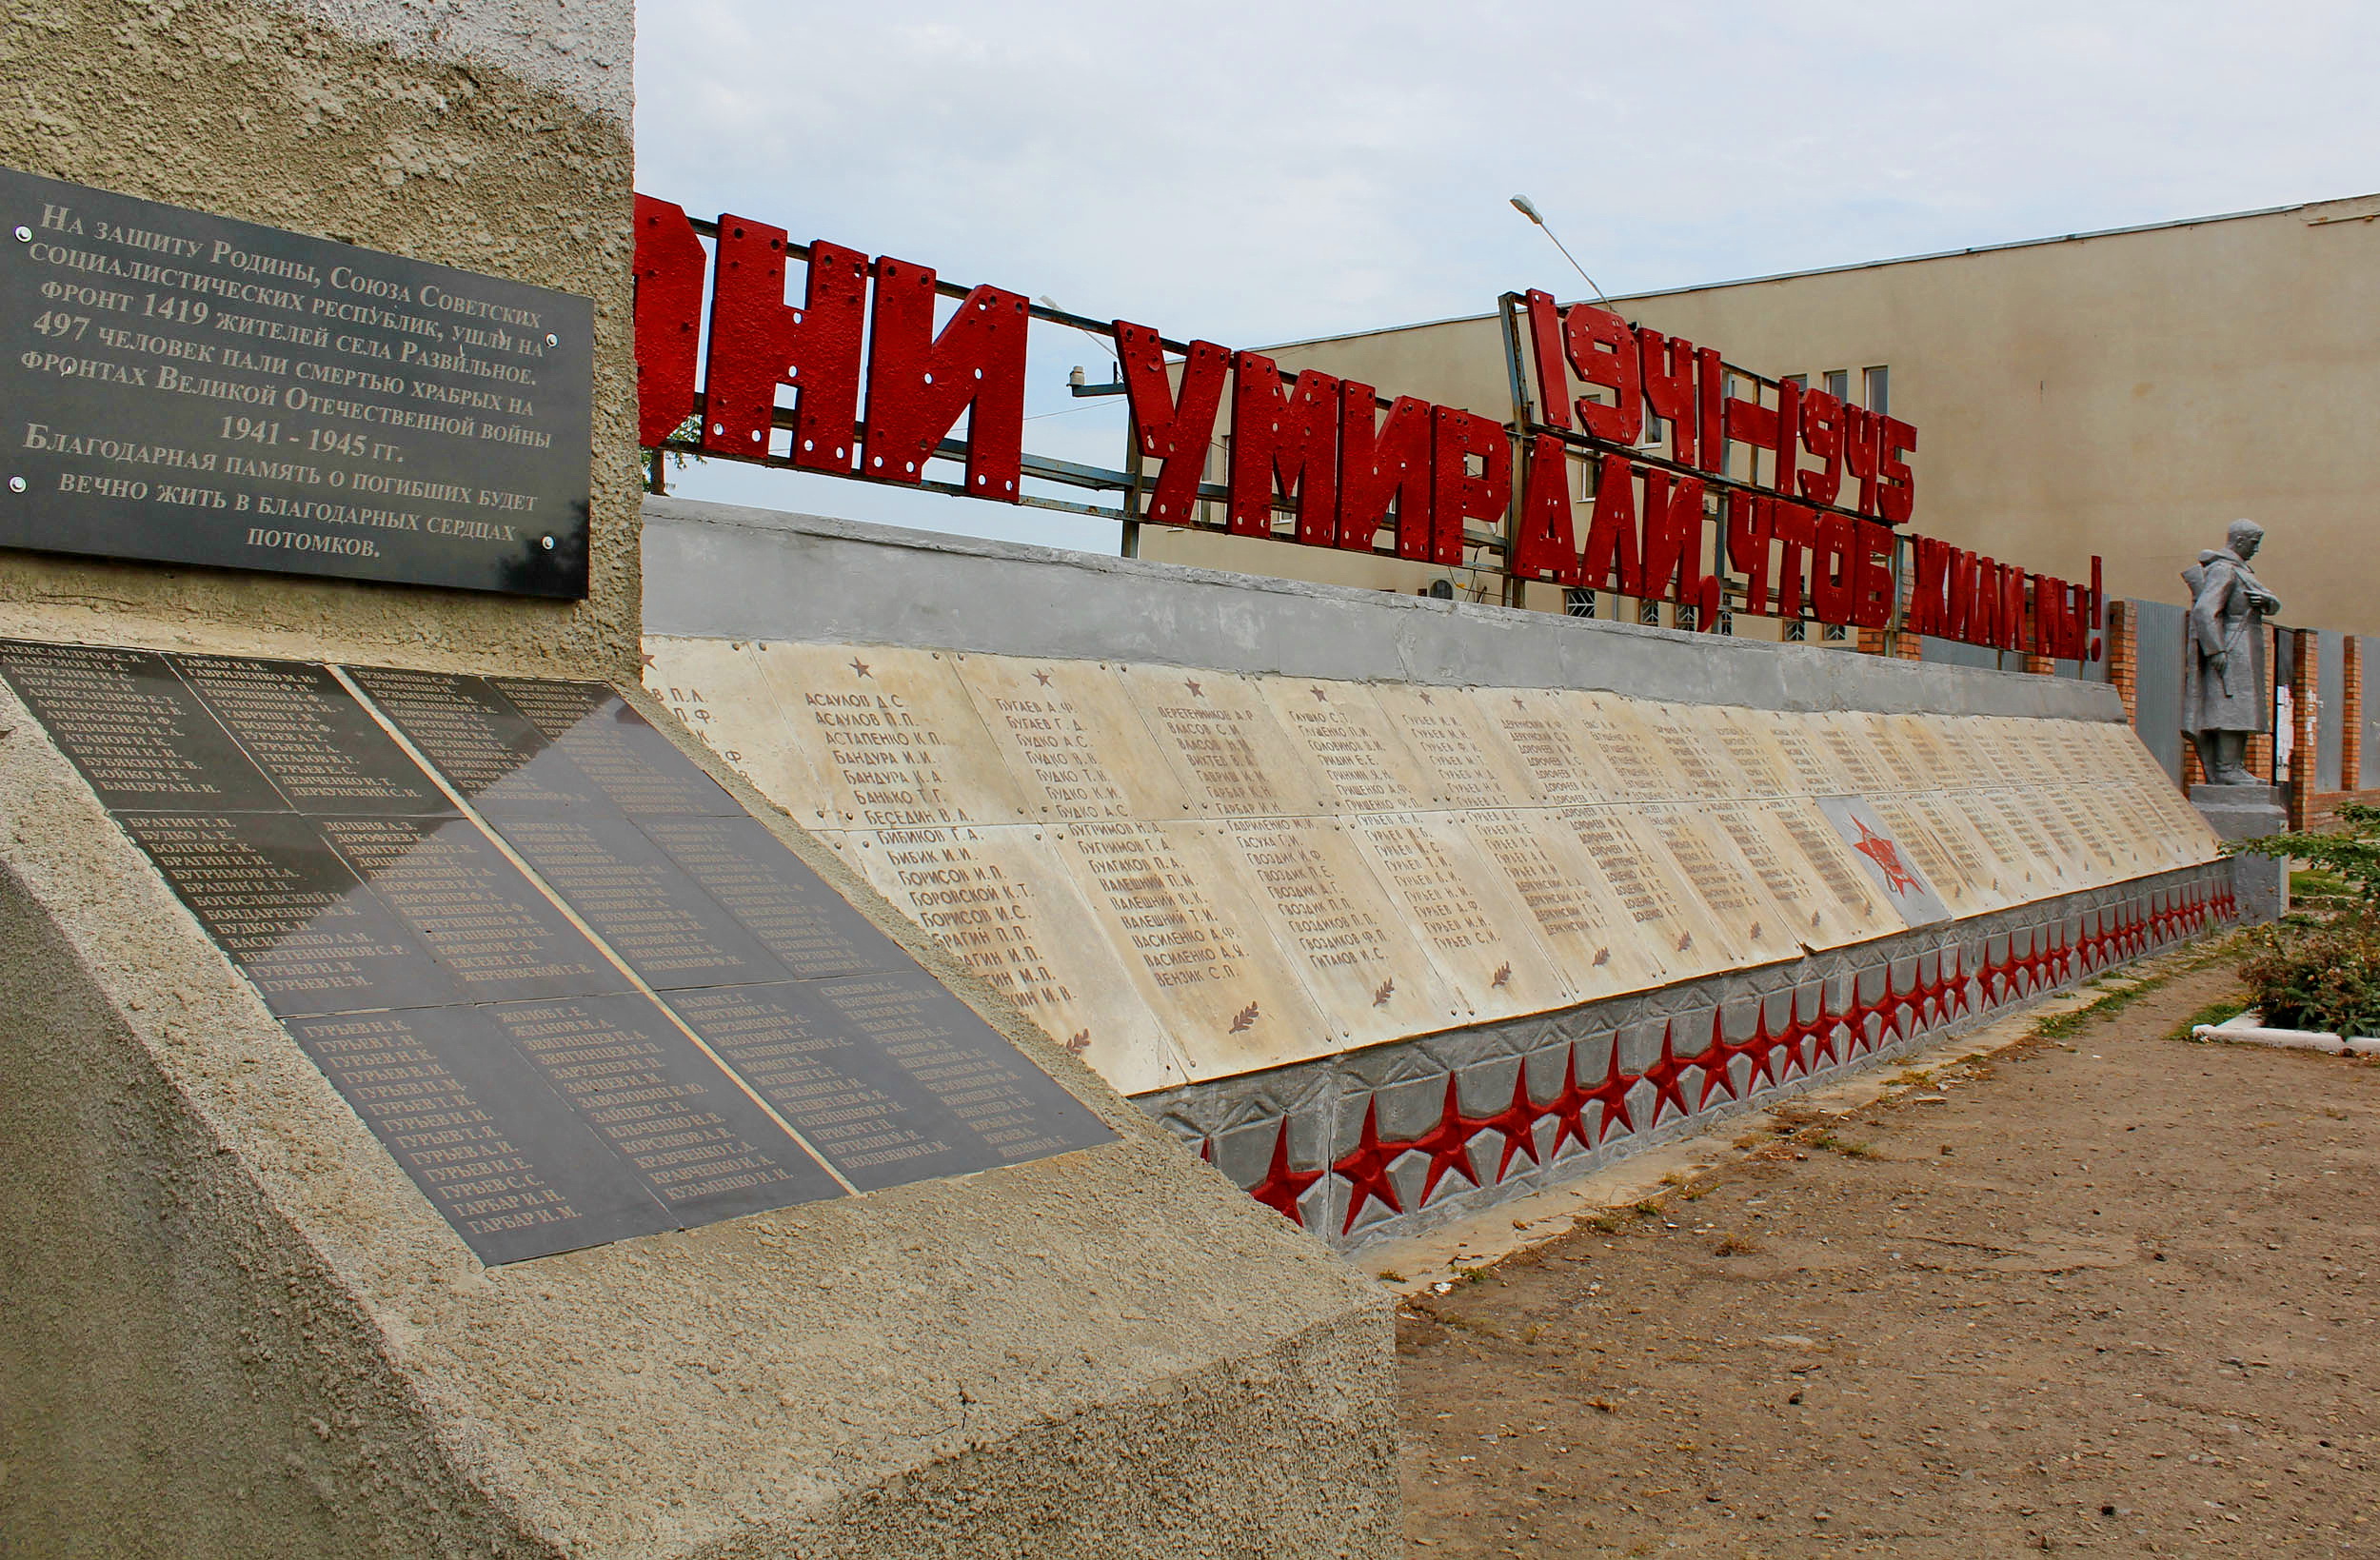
[(608, 1002), (192, 389)]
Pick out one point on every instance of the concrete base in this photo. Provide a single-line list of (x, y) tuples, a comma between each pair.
[(2241, 812), (1394, 1140), (231, 1326), (2261, 884)]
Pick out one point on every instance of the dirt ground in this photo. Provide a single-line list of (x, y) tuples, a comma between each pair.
[(2110, 1294)]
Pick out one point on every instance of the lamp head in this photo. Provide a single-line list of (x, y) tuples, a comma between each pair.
[(1522, 205)]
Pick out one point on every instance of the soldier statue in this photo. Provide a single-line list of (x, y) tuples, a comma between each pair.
[(2223, 676)]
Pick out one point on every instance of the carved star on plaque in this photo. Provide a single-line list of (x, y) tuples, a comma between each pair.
[(861, 666), (1319, 695), (1195, 691), (1042, 678), (1885, 854), (1426, 699)]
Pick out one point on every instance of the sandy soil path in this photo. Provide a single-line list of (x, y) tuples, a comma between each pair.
[(2114, 1294)]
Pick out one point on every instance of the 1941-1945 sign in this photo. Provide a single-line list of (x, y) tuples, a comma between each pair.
[(184, 387)]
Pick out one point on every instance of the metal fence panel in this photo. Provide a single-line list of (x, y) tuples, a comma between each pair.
[(2157, 687), (2329, 710)]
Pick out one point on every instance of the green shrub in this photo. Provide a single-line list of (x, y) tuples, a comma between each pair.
[(2319, 978)]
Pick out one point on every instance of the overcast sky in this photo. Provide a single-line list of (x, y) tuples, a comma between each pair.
[(1253, 172)]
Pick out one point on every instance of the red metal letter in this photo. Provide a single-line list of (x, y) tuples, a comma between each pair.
[(1899, 497), (1709, 391), (918, 383), (1603, 350), (1673, 538), (1669, 389), (1455, 495), (668, 266), (1872, 578), (1788, 445), (1544, 544), (1822, 435), (758, 343), (1797, 531), (1835, 569), (1860, 453), (1748, 522), (1290, 437), (1612, 561), (1748, 422), (1380, 462), (1177, 430), (1928, 598), (1545, 346)]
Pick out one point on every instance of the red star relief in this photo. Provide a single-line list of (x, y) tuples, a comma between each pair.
[(1042, 678), (1667, 1075), (860, 667), (1713, 1060), (1282, 1186), (1517, 1122), (1885, 854), (1612, 1095), (1448, 1143), (1365, 1169)]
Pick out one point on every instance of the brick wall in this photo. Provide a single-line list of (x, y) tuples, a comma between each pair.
[(2122, 637)]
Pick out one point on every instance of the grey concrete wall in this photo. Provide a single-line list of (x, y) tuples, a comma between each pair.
[(1884, 999), (725, 572), (2157, 689), (234, 1327), (491, 136)]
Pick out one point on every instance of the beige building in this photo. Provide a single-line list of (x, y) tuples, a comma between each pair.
[(2126, 393)]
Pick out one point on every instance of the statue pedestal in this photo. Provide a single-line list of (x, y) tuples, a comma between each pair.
[(2248, 812)]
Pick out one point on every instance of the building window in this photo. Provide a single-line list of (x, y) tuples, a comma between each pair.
[(1727, 620), (1689, 618), (1835, 631), (1577, 603), (1649, 612), (1879, 389), (1800, 381), (1838, 384), (1795, 631)]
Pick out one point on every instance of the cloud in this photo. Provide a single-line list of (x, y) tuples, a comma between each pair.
[(1255, 172)]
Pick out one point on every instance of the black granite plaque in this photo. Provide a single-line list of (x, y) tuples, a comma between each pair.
[(1011, 1108), (289, 912), (638, 770), (696, 1140), (637, 899), (194, 389), (485, 923), (134, 729), (516, 1072), (847, 1099), (486, 749), (810, 928), (310, 736), (505, 1158)]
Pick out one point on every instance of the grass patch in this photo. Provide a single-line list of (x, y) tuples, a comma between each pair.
[(1734, 1246), (1843, 1146), (2213, 1013)]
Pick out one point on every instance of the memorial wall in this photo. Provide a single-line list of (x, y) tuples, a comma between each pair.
[(1187, 875)]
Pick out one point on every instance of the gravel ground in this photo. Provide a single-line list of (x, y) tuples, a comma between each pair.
[(2110, 1294)]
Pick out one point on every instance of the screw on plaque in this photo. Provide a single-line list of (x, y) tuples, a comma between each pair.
[(552, 340), (24, 234), (547, 543), (16, 485)]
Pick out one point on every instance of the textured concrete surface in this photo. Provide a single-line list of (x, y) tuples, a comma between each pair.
[(491, 137), (1111, 1352), (722, 571)]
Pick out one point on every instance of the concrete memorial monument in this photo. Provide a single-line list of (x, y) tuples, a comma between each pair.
[(1396, 882), (448, 1109)]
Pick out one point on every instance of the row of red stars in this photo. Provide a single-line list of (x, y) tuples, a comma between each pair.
[(1836, 1037)]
